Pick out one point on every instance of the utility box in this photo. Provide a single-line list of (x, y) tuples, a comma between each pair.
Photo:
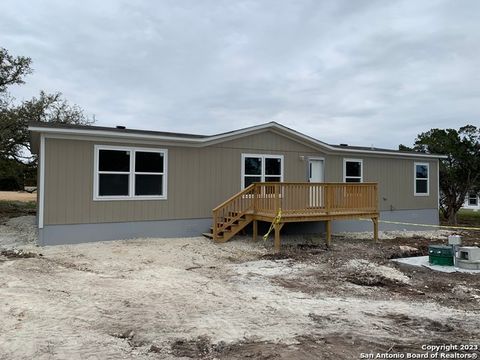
[(440, 255), (454, 240), (468, 257)]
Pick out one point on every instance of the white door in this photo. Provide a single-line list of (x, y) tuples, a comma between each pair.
[(315, 175)]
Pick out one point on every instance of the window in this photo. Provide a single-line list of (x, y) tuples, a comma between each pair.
[(422, 174), (472, 199), (129, 173), (148, 173), (261, 168), (113, 172), (352, 170)]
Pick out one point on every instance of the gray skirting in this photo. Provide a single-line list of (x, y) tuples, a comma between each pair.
[(424, 216), (81, 233)]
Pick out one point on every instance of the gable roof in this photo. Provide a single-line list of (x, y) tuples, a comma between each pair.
[(59, 130)]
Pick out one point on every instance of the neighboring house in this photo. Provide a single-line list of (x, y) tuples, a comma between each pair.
[(472, 201), (98, 183)]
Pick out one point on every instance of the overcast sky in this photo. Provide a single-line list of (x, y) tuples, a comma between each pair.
[(356, 72)]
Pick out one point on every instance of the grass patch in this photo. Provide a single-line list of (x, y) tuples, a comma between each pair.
[(468, 217), (10, 209)]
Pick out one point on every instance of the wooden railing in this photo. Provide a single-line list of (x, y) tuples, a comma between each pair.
[(315, 198), (296, 200)]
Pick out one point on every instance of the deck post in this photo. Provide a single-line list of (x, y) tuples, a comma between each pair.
[(255, 230), (329, 232), (375, 229), (214, 227), (277, 198), (277, 237)]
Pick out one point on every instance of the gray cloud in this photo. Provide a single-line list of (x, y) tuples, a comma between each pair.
[(361, 72)]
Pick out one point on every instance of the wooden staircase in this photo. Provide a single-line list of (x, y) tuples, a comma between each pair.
[(231, 229), (232, 215)]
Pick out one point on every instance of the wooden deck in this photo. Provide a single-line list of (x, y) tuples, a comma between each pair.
[(285, 202)]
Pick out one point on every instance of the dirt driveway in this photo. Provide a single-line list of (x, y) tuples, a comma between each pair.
[(17, 196), (190, 298)]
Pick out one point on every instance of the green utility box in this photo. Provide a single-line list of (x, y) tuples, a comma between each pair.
[(440, 255)]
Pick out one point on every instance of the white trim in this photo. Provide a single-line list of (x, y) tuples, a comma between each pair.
[(131, 174), (262, 175), (438, 184), (208, 140), (113, 140), (415, 178), (41, 196), (345, 160)]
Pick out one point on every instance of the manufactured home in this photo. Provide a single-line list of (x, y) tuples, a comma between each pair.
[(99, 183)]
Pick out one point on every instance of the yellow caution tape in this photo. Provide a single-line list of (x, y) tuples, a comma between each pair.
[(275, 221), (428, 225)]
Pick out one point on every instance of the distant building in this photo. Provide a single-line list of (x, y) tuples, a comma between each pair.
[(472, 201)]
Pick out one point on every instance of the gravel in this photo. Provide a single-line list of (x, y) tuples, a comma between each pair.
[(388, 235), (19, 231)]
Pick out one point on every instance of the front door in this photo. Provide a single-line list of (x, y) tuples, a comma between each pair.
[(315, 175)]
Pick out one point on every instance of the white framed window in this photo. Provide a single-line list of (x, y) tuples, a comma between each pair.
[(472, 199), (261, 168), (422, 179), (129, 173), (352, 170)]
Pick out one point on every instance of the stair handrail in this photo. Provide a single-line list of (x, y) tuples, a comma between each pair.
[(249, 190)]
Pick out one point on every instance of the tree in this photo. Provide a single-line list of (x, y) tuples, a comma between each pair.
[(14, 118), (52, 108), (12, 69), (460, 171)]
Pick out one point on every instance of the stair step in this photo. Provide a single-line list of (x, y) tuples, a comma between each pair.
[(232, 217), (231, 226)]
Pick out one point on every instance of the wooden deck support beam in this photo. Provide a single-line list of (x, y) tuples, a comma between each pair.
[(255, 230), (375, 229), (329, 232), (278, 242)]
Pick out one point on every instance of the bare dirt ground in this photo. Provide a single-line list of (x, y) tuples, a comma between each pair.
[(191, 298), (17, 196)]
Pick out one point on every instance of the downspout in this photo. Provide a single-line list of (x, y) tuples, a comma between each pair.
[(41, 199), (438, 187)]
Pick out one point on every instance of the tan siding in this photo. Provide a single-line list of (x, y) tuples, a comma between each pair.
[(334, 168), (396, 185), (395, 178), (201, 178)]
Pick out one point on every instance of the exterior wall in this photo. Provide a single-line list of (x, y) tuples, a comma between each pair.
[(198, 180), (395, 177), (201, 178)]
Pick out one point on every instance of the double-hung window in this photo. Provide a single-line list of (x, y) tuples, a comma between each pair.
[(126, 173), (261, 168), (472, 199), (352, 170), (422, 179)]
